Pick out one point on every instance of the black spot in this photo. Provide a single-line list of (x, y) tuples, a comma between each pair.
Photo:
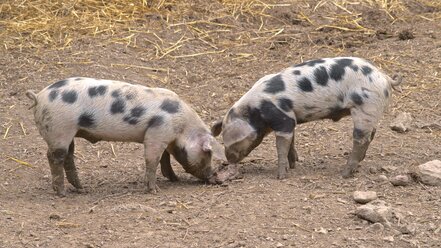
[(296, 72), (366, 70), (155, 121), (365, 92), (58, 84), (86, 120), (170, 106), (285, 104), (131, 120), (69, 96), (337, 112), (311, 62), (357, 134), (309, 107), (130, 96), (275, 85), (354, 67), (53, 95), (338, 69), (386, 93), (305, 85), (78, 79), (116, 93), (137, 111), (356, 98), (341, 97), (321, 76), (276, 119), (97, 90), (181, 155), (118, 106)]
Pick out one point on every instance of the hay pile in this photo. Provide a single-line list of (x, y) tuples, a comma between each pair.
[(58, 24)]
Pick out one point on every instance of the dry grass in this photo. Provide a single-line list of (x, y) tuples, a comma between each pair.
[(58, 24)]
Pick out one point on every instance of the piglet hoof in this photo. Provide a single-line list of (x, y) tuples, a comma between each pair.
[(348, 172), (60, 191), (152, 189)]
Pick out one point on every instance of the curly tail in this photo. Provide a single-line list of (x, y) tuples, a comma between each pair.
[(395, 82), (32, 96)]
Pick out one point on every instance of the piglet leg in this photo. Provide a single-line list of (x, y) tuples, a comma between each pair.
[(292, 155), (166, 167), (362, 139), (56, 158), (283, 145), (70, 169)]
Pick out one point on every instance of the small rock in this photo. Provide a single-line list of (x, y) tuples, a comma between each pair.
[(430, 173), (376, 212), (376, 228), (373, 170), (402, 123), (389, 238), (364, 196), (400, 180), (54, 217), (406, 35), (279, 245), (407, 229), (388, 168), (383, 178)]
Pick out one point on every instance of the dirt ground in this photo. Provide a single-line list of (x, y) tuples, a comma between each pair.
[(211, 64)]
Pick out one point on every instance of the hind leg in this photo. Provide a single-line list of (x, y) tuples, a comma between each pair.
[(56, 158), (292, 155), (70, 169), (363, 133)]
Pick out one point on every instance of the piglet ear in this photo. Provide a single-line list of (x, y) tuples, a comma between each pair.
[(216, 128), (210, 144), (237, 131)]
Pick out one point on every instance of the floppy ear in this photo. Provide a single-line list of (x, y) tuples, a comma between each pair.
[(210, 144), (216, 129), (238, 130)]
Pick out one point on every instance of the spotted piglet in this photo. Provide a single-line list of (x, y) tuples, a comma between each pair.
[(328, 88), (108, 110)]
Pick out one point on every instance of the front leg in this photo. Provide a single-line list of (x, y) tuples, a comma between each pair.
[(166, 167), (283, 145), (152, 152)]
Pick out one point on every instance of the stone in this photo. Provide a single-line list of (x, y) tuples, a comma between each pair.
[(430, 173), (376, 211), (389, 238), (376, 228), (383, 178), (400, 180), (402, 123), (364, 196)]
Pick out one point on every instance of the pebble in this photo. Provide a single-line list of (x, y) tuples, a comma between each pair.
[(375, 211), (402, 123), (430, 173), (364, 196), (400, 180), (376, 227), (383, 178)]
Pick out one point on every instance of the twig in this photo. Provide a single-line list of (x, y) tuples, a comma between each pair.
[(113, 150), (22, 128), (6, 132)]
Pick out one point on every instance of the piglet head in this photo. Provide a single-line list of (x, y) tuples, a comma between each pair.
[(196, 153), (239, 137)]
